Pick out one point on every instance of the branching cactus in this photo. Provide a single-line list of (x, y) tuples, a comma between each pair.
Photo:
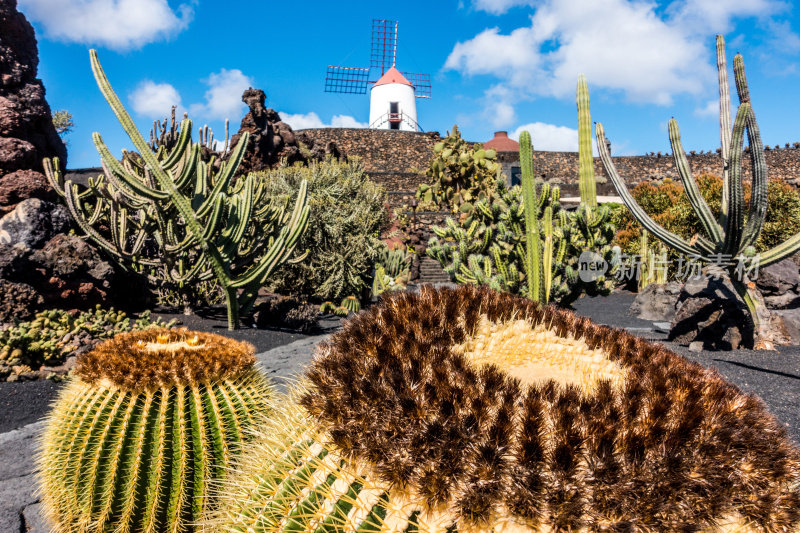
[(150, 420), (729, 240), (169, 213), (475, 411)]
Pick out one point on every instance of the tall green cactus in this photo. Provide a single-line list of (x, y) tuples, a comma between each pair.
[(535, 271), (588, 188), (149, 423), (168, 211), (728, 240)]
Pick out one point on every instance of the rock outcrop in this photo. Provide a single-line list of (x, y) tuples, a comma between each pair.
[(272, 140), (65, 272), (27, 134)]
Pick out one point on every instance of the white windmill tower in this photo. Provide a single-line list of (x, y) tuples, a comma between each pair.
[(392, 102)]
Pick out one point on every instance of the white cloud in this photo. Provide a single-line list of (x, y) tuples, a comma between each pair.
[(498, 7), (155, 100), (711, 109), (630, 47), (511, 56), (716, 16), (499, 108), (551, 138), (301, 121), (117, 24), (224, 96)]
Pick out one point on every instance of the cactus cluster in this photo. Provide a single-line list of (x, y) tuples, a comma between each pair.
[(473, 410), (392, 270), (170, 214), (653, 264), (732, 236), (460, 174), (55, 334), (488, 246), (347, 306), (151, 421)]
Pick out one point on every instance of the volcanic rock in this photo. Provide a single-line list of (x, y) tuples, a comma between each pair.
[(33, 222), (18, 300), (710, 311), (780, 284), (27, 134), (273, 141), (21, 185), (657, 302)]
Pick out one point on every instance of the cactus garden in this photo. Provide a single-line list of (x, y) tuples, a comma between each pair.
[(222, 311)]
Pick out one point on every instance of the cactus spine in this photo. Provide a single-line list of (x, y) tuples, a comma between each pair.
[(732, 235), (136, 440), (588, 188), (169, 211)]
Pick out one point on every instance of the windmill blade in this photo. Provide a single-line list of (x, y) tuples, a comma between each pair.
[(421, 83), (384, 44), (350, 80)]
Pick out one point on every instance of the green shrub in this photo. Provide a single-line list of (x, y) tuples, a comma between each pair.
[(344, 228), (669, 206)]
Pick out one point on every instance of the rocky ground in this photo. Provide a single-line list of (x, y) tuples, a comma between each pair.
[(773, 376)]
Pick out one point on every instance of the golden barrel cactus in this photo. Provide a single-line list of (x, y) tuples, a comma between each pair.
[(473, 410), (149, 421)]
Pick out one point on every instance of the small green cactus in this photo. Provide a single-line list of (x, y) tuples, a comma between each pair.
[(152, 419), (327, 307), (352, 304)]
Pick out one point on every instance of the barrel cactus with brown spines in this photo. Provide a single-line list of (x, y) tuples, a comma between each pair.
[(149, 421), (473, 410)]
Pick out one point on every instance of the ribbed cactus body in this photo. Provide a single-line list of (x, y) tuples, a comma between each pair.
[(116, 457), (588, 188), (289, 481)]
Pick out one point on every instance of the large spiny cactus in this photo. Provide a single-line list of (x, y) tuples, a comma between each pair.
[(728, 241), (476, 411), (168, 212), (139, 435)]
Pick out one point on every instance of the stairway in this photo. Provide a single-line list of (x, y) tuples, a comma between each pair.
[(430, 271)]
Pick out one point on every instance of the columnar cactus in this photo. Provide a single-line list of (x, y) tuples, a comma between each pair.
[(168, 211), (587, 186), (150, 420), (473, 410), (729, 240)]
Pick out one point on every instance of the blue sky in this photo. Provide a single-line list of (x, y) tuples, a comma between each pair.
[(494, 64)]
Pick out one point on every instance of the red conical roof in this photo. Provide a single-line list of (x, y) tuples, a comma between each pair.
[(392, 76), (502, 143)]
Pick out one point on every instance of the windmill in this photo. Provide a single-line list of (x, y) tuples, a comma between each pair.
[(392, 102)]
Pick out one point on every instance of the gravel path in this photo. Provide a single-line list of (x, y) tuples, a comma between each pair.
[(773, 376)]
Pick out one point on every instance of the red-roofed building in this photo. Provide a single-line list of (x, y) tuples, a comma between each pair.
[(502, 143), (507, 155)]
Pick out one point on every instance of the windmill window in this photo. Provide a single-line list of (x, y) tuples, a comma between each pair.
[(394, 116)]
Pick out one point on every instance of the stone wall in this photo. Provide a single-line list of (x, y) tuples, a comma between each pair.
[(389, 156)]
